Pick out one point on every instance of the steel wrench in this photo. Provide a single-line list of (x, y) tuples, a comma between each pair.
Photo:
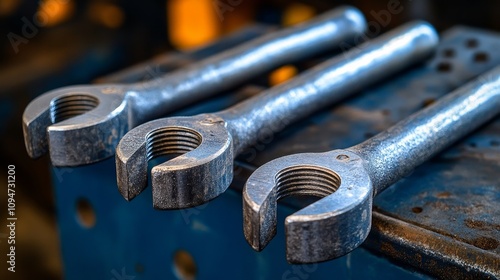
[(346, 180), (83, 124), (209, 142)]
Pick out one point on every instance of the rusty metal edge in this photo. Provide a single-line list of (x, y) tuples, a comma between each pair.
[(430, 252)]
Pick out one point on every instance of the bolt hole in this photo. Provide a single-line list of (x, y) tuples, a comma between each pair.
[(171, 142), (471, 43), (343, 157), (495, 143), (444, 67), (449, 53), (472, 145), (306, 180), (184, 265), (481, 57), (85, 213), (417, 210), (69, 106)]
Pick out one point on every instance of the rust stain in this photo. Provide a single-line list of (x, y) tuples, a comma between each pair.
[(443, 195), (428, 101), (389, 249), (469, 209), (475, 224), (485, 243), (418, 258), (428, 262), (417, 210), (440, 205)]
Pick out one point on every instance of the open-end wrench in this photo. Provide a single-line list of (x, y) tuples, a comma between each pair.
[(346, 180), (83, 124), (209, 142)]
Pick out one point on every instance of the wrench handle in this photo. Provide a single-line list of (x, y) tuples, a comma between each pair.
[(175, 59), (394, 153), (197, 81), (329, 82)]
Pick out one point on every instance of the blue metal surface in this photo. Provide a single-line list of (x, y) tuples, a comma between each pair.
[(458, 194), (133, 236)]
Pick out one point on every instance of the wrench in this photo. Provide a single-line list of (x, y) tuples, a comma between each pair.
[(346, 180), (209, 142), (83, 124)]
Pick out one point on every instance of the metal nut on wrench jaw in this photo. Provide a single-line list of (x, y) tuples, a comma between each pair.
[(100, 118), (347, 180), (211, 141)]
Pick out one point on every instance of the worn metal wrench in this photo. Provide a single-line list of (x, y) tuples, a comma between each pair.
[(209, 142), (346, 180), (83, 124)]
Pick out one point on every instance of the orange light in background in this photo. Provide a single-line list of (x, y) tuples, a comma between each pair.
[(55, 12), (192, 23), (296, 13), (282, 74), (107, 14), (8, 6)]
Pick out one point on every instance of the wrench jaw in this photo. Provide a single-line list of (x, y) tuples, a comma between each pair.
[(202, 170), (329, 228), (260, 207), (74, 123), (131, 166)]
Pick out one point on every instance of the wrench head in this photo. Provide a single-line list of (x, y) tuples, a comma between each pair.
[(330, 227), (77, 125), (202, 170)]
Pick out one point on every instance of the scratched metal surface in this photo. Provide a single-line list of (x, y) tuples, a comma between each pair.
[(457, 194)]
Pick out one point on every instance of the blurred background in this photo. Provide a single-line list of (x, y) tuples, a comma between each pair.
[(53, 43)]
